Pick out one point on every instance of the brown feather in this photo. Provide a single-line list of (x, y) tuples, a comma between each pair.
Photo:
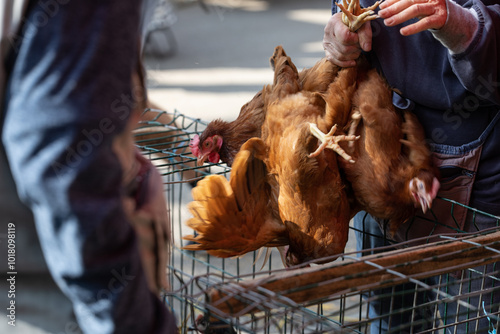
[(319, 77)]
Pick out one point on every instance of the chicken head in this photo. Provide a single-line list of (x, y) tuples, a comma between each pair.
[(209, 149), (424, 189)]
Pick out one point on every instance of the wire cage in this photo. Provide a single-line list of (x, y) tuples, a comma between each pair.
[(444, 283)]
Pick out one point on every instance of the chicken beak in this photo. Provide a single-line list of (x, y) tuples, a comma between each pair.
[(423, 205), (425, 202), (201, 159), (282, 251), (421, 195)]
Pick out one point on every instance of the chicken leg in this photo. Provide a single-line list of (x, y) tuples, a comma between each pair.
[(354, 16), (330, 141), (356, 118)]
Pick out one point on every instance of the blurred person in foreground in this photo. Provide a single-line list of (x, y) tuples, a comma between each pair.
[(441, 57), (72, 89)]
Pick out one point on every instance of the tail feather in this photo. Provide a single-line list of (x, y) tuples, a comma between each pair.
[(286, 77), (339, 97)]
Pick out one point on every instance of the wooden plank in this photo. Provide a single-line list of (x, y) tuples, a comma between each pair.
[(309, 285)]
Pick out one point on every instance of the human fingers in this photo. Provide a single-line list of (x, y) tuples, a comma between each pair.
[(341, 45), (428, 22), (365, 36), (341, 58), (432, 14), (337, 29), (387, 3)]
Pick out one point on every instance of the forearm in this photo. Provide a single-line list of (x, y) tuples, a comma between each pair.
[(477, 65), (459, 30)]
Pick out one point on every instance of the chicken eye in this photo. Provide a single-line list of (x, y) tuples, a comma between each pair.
[(421, 186), (207, 144)]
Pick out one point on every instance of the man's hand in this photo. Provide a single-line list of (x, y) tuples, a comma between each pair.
[(343, 47), (432, 14)]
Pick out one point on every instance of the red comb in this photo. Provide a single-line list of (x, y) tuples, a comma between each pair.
[(193, 145)]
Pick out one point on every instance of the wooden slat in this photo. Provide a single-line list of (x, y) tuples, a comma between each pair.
[(308, 285)]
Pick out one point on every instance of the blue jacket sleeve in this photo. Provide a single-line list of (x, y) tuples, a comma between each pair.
[(478, 67)]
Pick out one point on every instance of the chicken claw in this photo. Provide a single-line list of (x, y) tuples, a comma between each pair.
[(354, 16), (330, 141)]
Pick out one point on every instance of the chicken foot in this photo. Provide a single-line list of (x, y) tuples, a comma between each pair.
[(330, 141), (349, 17)]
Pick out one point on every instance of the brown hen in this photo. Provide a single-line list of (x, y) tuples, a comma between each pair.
[(393, 173), (279, 193)]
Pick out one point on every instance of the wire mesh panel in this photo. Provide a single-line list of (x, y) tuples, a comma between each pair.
[(439, 283)]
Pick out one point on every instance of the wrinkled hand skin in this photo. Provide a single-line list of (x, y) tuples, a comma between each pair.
[(343, 47), (432, 14)]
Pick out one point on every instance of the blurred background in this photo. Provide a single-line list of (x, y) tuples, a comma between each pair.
[(214, 56)]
